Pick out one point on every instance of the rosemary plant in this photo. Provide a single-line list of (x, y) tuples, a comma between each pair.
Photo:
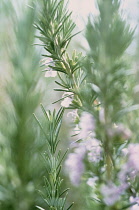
[(55, 26), (107, 51), (18, 132), (54, 197), (94, 86)]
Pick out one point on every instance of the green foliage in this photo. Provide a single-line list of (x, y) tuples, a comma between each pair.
[(108, 37), (96, 84), (19, 175), (54, 196), (56, 28)]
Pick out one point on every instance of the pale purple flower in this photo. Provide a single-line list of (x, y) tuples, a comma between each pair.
[(46, 61), (94, 150), (87, 125), (91, 143), (73, 114), (133, 200), (112, 193), (49, 71), (94, 156), (68, 98), (92, 181), (92, 147), (131, 168), (135, 207), (127, 172), (74, 165), (133, 156)]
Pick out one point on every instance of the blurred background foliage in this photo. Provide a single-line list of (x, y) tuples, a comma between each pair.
[(22, 89), (20, 141)]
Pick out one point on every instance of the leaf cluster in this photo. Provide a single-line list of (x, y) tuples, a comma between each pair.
[(108, 36), (54, 196), (56, 27)]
